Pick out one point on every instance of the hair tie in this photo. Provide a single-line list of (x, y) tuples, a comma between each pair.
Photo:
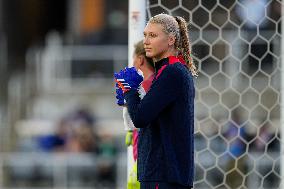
[(177, 19)]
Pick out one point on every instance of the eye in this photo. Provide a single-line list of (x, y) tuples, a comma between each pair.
[(152, 35)]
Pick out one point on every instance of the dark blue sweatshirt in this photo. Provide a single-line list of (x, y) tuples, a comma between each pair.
[(166, 118)]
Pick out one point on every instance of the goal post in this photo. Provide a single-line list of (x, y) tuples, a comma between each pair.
[(282, 104), (136, 24)]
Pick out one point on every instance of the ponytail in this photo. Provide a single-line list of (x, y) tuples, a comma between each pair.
[(183, 45)]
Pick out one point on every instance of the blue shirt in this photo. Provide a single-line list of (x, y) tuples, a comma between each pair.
[(165, 117)]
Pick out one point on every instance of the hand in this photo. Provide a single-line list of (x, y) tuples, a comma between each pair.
[(128, 78), (119, 96)]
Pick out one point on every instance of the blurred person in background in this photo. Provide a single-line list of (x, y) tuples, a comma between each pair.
[(252, 13), (81, 136), (82, 139), (165, 115), (144, 65), (74, 133), (236, 134), (266, 137)]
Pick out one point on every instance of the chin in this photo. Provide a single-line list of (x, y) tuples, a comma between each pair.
[(149, 55)]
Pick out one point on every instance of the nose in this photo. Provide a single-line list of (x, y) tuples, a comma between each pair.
[(146, 40)]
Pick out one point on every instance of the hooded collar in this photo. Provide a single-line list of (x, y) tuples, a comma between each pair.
[(158, 65), (168, 60)]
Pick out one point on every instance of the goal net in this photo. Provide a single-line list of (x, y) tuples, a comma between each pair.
[(236, 45)]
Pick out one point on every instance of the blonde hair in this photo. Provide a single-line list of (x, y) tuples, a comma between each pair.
[(177, 26)]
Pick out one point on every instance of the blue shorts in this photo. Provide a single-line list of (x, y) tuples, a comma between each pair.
[(162, 185)]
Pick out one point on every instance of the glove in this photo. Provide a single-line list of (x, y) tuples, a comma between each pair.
[(119, 96), (128, 138), (128, 78)]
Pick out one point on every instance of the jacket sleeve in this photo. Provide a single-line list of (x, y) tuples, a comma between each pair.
[(163, 92)]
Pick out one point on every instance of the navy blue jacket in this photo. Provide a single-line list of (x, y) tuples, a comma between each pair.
[(166, 118)]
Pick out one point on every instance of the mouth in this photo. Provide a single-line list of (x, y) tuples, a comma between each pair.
[(147, 49)]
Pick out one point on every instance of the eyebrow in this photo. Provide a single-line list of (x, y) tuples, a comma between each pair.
[(149, 33)]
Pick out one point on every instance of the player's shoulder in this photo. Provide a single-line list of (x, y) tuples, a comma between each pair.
[(177, 68)]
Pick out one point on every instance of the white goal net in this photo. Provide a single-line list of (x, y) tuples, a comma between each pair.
[(236, 45)]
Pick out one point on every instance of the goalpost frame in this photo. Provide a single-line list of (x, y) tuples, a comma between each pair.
[(136, 24), (282, 102)]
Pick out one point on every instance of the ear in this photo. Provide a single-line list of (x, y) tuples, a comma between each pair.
[(171, 40), (141, 60)]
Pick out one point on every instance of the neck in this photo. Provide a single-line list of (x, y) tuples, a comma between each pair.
[(170, 52), (147, 73)]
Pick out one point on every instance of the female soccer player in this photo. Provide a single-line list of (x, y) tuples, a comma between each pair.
[(165, 115), (144, 65)]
